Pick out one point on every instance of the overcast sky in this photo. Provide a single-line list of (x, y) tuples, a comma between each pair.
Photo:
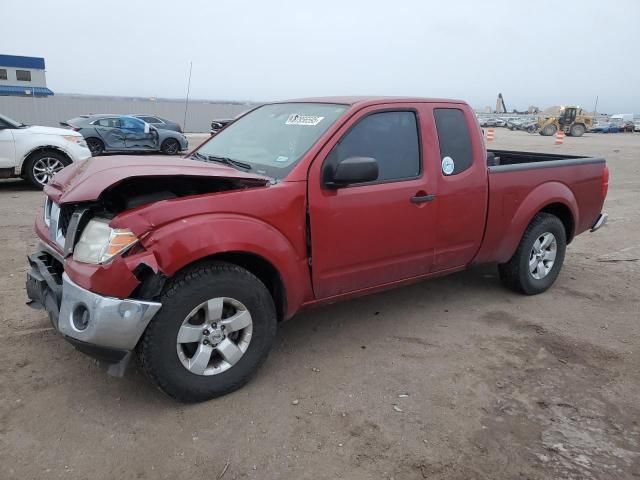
[(536, 53)]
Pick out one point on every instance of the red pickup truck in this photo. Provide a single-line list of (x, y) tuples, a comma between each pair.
[(191, 263)]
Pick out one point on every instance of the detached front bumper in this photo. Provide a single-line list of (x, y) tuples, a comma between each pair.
[(103, 327)]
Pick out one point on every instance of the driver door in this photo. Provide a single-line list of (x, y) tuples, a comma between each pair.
[(375, 233)]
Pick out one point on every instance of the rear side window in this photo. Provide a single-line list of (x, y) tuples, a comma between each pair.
[(389, 137), (151, 119), (454, 138), (108, 122), (3, 73)]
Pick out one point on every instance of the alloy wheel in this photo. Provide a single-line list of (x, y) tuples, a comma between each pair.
[(543, 255), (45, 168), (214, 336)]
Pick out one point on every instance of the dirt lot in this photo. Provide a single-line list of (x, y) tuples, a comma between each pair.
[(497, 385)]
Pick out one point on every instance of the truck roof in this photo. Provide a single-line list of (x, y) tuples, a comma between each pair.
[(371, 100)]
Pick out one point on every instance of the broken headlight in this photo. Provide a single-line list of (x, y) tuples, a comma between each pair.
[(99, 243)]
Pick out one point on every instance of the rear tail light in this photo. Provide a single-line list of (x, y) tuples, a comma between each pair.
[(605, 181)]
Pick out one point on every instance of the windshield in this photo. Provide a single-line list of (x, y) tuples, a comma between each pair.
[(12, 123), (273, 138)]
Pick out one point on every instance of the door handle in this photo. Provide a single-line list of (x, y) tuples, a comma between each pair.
[(422, 198)]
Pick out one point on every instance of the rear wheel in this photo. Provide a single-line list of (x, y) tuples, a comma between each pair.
[(215, 328), (537, 262), (96, 146), (41, 166), (549, 130), (170, 146), (577, 130)]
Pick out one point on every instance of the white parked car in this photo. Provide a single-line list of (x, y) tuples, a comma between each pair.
[(37, 153)]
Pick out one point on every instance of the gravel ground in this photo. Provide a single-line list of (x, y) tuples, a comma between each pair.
[(454, 378)]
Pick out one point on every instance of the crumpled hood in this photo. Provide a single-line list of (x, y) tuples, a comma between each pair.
[(86, 180)]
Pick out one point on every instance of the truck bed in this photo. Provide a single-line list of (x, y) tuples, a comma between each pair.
[(525, 182)]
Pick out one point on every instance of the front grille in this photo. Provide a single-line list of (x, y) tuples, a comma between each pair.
[(52, 219)]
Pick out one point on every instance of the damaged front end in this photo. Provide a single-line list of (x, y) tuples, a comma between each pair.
[(98, 283)]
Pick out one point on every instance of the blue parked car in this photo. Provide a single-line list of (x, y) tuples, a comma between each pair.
[(605, 127)]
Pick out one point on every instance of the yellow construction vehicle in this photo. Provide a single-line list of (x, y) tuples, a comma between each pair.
[(571, 120)]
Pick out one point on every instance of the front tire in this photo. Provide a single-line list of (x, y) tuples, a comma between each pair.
[(215, 328), (537, 262), (41, 166), (549, 130), (170, 146)]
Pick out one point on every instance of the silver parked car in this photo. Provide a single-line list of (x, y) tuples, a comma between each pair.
[(125, 133)]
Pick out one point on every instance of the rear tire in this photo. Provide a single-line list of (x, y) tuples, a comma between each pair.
[(96, 146), (170, 146), (521, 273), (577, 130), (549, 130), (42, 165), (168, 359)]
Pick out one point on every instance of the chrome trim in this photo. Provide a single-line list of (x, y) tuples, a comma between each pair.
[(602, 220), (55, 232), (113, 322), (47, 211)]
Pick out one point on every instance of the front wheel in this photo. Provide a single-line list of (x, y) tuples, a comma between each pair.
[(549, 130), (170, 146), (537, 262), (215, 328), (41, 166)]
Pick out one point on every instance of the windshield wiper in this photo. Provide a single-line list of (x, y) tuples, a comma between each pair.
[(229, 161)]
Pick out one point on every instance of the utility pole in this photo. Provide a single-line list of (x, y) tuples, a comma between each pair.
[(186, 103)]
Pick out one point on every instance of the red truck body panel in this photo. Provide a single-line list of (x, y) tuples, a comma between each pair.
[(324, 243)]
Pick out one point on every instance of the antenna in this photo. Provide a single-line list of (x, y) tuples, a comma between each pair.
[(186, 103)]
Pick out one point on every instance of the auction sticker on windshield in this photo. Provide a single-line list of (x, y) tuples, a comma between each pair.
[(308, 120)]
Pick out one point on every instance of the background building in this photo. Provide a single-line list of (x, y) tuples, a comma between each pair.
[(23, 76)]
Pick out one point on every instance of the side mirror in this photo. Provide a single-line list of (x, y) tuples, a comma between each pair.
[(353, 170)]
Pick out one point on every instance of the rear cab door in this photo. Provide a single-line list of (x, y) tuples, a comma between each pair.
[(370, 234), (462, 185), (110, 131)]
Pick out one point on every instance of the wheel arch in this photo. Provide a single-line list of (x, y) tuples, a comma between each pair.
[(551, 197), (255, 245), (263, 269), (40, 148), (563, 212)]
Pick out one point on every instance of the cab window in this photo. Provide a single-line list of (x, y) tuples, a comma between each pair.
[(389, 137), (454, 138)]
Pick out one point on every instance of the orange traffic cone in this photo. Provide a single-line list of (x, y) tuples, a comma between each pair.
[(559, 137), (490, 134)]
